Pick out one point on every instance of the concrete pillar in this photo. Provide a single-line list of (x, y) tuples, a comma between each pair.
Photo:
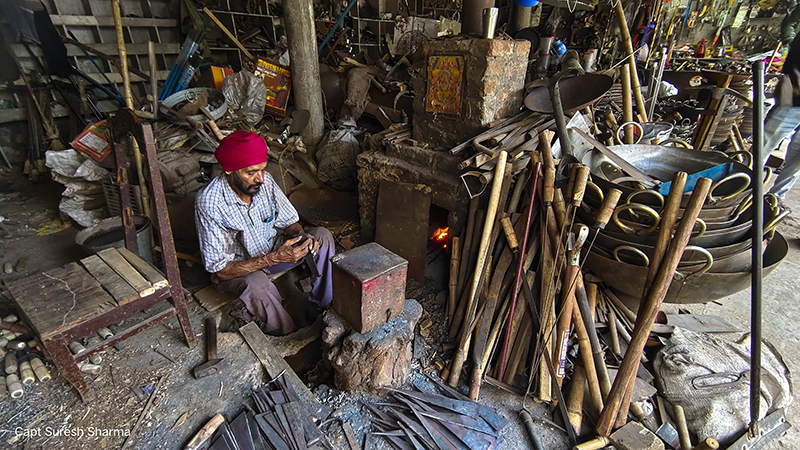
[(472, 15), (521, 18), (300, 32)]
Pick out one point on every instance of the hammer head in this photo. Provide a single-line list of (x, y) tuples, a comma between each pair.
[(210, 367)]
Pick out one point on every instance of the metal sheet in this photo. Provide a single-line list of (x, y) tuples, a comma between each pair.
[(701, 323), (401, 223)]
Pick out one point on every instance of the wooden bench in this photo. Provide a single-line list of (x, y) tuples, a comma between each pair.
[(71, 302)]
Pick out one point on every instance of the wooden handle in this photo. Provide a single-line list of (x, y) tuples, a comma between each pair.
[(595, 444), (14, 386), (205, 433), (549, 165), (559, 208), (627, 102), (213, 125), (508, 229), (607, 208), (42, 374), (682, 427), (708, 444), (579, 188), (194, 124), (575, 399), (11, 363), (26, 373)]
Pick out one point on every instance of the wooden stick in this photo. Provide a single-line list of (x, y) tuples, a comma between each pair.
[(681, 426), (575, 399), (455, 250), (626, 40), (590, 368), (143, 413), (151, 56), (564, 322), (123, 54), (230, 35), (612, 325), (523, 340), (458, 317), (547, 312), (597, 351), (644, 324), (630, 315), (483, 250), (467, 244), (627, 102)]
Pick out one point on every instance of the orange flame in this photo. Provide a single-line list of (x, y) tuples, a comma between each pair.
[(440, 234)]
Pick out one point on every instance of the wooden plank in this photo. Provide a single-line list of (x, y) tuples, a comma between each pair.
[(113, 283), (92, 21), (110, 49), (274, 365), (117, 78), (211, 299), (60, 298), (153, 275), (112, 257)]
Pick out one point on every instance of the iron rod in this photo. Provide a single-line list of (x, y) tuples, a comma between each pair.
[(758, 231)]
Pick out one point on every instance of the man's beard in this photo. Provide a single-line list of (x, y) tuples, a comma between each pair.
[(250, 190)]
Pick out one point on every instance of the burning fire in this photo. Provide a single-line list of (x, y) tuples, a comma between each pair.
[(440, 235)]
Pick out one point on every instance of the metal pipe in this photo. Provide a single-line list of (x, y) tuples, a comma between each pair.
[(335, 26), (758, 231)]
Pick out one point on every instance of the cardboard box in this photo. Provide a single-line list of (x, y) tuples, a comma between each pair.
[(278, 81), (93, 141), (213, 77)]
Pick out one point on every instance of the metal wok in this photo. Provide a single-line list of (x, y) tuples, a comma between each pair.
[(708, 213), (685, 288), (662, 162), (608, 244)]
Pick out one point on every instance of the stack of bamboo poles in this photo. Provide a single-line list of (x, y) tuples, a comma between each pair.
[(517, 302)]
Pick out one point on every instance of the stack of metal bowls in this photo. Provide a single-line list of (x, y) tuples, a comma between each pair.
[(718, 260)]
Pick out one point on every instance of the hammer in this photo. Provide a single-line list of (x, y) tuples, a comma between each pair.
[(214, 364)]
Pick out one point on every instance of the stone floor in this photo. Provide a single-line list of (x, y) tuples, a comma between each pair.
[(182, 404)]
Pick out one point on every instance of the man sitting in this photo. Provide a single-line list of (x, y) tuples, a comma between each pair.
[(248, 230)]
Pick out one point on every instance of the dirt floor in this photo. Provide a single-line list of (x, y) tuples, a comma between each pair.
[(158, 363)]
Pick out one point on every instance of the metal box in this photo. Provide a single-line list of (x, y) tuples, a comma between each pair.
[(369, 285)]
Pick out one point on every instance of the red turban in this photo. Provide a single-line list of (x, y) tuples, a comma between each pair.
[(241, 149)]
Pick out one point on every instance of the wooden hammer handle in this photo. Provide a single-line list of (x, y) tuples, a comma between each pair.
[(205, 433), (579, 188)]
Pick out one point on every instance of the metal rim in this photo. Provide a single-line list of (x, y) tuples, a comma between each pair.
[(634, 250), (636, 206), (713, 200)]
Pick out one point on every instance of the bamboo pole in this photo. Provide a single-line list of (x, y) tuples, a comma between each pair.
[(483, 250), (627, 102), (458, 317), (645, 320), (681, 426), (585, 352), (151, 56), (455, 250), (626, 40), (467, 247), (564, 322), (123, 55)]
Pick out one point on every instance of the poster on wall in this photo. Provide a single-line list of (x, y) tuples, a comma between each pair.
[(278, 81), (445, 84)]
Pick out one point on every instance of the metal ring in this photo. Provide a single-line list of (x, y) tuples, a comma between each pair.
[(703, 227), (635, 125), (746, 203), (636, 206), (590, 184), (768, 176), (677, 141), (655, 194), (709, 259), (772, 201), (741, 155), (712, 200), (634, 250), (773, 224)]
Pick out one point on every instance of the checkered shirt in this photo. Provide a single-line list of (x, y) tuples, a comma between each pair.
[(230, 230)]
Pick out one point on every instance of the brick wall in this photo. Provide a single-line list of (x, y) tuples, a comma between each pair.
[(493, 86)]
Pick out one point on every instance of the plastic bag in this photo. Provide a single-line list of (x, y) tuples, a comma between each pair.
[(710, 378), (81, 177), (336, 156), (246, 96)]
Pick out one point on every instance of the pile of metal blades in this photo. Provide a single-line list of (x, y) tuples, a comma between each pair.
[(421, 420), (241, 434), (284, 421)]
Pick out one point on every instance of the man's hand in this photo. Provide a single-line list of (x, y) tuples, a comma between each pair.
[(289, 253)]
